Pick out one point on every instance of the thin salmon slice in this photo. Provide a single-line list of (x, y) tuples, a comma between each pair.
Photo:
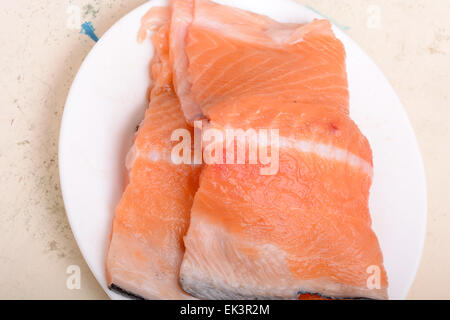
[(152, 217), (306, 229), (181, 19)]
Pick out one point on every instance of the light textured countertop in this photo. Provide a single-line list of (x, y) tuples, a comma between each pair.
[(41, 52)]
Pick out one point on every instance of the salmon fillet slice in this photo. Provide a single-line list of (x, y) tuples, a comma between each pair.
[(182, 13), (307, 229), (152, 217)]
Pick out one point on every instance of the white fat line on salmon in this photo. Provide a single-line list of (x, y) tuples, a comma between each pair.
[(152, 156), (328, 152), (237, 146), (134, 153)]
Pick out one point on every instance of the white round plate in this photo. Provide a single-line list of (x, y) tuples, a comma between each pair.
[(108, 98)]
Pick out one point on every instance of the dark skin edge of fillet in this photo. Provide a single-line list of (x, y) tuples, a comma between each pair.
[(133, 296), (125, 293), (207, 290)]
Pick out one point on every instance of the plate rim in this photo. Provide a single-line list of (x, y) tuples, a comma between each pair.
[(149, 4)]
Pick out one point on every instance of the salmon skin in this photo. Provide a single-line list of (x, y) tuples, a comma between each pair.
[(146, 246), (306, 229)]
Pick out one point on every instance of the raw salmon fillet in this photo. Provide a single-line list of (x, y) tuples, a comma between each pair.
[(306, 229), (152, 217), (181, 19)]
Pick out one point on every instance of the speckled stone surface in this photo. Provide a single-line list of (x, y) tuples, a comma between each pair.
[(41, 51)]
